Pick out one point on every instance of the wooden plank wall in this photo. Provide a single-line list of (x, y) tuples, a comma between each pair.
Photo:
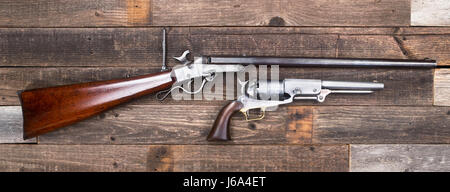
[(48, 43)]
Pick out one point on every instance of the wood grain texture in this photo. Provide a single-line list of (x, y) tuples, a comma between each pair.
[(52, 158), (80, 47), (400, 158), (368, 46), (375, 125), (67, 13), (63, 47), (281, 13), (436, 47), (11, 129), (402, 86), (442, 87), (251, 158), (162, 158), (167, 124), (142, 46), (85, 13), (299, 126), (430, 13)]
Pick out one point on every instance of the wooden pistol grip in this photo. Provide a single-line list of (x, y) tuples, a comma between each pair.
[(221, 130), (48, 109)]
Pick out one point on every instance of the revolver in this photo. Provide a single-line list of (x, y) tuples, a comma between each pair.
[(268, 95)]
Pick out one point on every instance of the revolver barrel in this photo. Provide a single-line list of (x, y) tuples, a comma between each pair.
[(340, 85)]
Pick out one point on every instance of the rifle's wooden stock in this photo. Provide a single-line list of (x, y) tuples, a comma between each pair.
[(48, 109), (220, 130)]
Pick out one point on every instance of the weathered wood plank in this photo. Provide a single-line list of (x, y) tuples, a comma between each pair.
[(299, 126), (170, 124), (400, 158), (402, 86), (420, 47), (73, 158), (142, 46), (68, 13), (281, 13), (85, 13), (442, 87), (399, 45), (368, 46), (142, 124), (80, 47), (430, 12), (258, 45), (11, 130), (435, 47), (248, 158), (367, 125), (173, 158)]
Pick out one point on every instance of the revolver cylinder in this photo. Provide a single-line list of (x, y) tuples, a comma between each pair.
[(279, 90)]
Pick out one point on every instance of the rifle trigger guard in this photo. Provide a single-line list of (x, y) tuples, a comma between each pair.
[(167, 92)]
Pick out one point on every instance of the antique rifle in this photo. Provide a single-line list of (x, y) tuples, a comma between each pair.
[(47, 109)]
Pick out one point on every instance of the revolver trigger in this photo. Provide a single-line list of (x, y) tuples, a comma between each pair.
[(245, 113)]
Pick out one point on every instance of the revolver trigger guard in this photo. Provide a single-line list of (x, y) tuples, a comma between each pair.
[(260, 117)]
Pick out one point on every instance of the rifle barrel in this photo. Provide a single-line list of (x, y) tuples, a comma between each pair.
[(322, 62)]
